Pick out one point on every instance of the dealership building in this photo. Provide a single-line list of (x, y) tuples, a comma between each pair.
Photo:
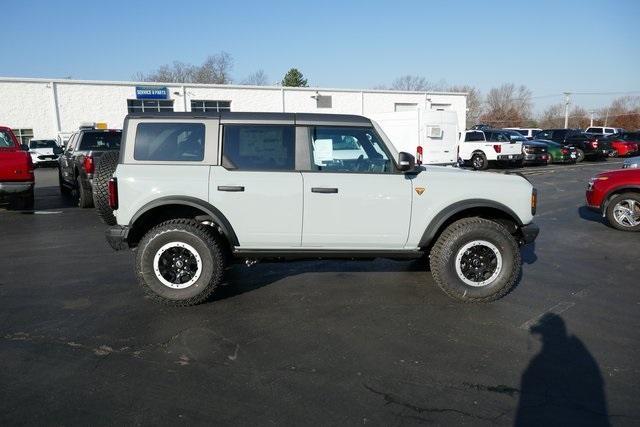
[(53, 108)]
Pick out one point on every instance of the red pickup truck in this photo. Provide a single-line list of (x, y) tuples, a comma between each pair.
[(16, 172)]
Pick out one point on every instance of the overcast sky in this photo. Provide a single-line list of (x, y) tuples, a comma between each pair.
[(549, 46)]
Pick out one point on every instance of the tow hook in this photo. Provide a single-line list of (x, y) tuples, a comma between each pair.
[(250, 261)]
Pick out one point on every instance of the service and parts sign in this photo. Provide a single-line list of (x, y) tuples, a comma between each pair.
[(151, 92)]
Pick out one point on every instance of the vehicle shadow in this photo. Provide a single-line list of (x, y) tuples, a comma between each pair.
[(529, 253), (240, 279), (51, 198), (562, 384), (587, 214)]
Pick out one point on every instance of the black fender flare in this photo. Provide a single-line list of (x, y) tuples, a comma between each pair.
[(216, 216), (445, 214)]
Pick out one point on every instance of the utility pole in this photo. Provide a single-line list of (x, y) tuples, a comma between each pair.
[(566, 109), (591, 122), (606, 119)]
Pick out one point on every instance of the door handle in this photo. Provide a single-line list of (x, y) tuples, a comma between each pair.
[(230, 188), (324, 190)]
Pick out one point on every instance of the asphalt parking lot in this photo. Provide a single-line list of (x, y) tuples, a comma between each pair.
[(328, 342)]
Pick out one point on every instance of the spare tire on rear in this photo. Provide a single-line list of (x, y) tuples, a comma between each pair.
[(104, 171)]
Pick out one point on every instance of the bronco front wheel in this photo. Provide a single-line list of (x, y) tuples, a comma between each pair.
[(179, 262), (475, 260)]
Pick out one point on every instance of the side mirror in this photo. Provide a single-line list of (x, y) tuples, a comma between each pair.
[(406, 161), (57, 150), (24, 147)]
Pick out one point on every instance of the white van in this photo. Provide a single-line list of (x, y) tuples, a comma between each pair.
[(526, 132), (431, 135)]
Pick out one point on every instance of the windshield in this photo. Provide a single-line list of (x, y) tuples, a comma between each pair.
[(43, 143), (5, 140), (96, 141)]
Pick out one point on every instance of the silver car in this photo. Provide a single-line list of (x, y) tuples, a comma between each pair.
[(631, 162)]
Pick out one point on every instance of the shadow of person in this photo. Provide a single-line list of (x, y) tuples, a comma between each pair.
[(562, 384)]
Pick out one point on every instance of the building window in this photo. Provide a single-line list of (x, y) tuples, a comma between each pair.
[(146, 105), (400, 106), (202, 106), (441, 107), (323, 101), (23, 135)]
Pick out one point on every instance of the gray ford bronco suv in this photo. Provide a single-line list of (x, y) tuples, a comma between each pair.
[(194, 192)]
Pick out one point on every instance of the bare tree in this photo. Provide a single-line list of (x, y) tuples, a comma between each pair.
[(508, 105), (553, 117), (474, 102), (623, 112), (416, 83), (216, 69), (257, 78)]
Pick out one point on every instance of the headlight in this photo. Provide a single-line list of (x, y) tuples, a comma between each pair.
[(593, 180)]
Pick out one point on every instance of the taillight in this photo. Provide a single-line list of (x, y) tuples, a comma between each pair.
[(594, 144), (498, 148), (88, 164), (419, 155), (565, 151), (113, 193)]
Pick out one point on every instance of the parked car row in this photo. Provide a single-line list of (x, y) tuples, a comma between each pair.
[(482, 145)]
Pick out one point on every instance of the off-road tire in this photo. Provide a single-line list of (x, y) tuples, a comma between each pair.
[(104, 171), (479, 161), (443, 260), (579, 155), (612, 204), (85, 198), (198, 236)]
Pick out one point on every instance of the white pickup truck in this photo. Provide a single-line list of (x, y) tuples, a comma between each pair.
[(479, 147)]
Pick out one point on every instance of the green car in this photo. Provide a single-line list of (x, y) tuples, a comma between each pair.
[(559, 153)]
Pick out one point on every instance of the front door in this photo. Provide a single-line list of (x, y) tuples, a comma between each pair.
[(353, 197), (257, 187)]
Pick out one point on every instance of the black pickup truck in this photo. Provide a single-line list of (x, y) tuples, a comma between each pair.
[(77, 162), (587, 145)]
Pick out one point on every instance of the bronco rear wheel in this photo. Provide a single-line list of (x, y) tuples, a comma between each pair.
[(180, 262), (475, 260)]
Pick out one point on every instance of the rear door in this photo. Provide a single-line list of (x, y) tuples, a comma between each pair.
[(257, 186), (353, 196)]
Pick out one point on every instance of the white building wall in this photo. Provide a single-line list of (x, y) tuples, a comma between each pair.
[(50, 107)]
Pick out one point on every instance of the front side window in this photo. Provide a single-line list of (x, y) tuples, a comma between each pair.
[(182, 142), (258, 147), (348, 149)]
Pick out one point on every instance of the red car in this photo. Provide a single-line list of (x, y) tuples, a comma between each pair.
[(624, 143), (16, 172), (616, 194)]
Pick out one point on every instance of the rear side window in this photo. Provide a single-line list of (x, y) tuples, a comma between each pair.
[(5, 140), (97, 141), (594, 130), (180, 142), (258, 147), (474, 136)]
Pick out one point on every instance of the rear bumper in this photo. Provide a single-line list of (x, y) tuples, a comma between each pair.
[(15, 188), (536, 158), (117, 237), (509, 157), (529, 233)]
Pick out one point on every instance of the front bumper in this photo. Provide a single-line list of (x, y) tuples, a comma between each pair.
[(529, 233), (117, 237), (536, 158)]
